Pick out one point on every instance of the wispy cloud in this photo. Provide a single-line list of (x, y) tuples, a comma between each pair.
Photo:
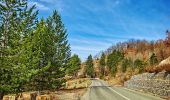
[(38, 5), (87, 49), (94, 25), (54, 4)]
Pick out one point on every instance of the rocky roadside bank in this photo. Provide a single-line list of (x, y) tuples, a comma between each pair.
[(155, 83)]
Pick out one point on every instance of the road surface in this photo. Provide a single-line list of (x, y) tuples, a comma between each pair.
[(100, 90)]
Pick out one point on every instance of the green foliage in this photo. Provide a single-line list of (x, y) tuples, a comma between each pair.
[(139, 64), (73, 65), (167, 40), (153, 59), (33, 54), (16, 22), (89, 66), (126, 63), (102, 60), (102, 64), (113, 60), (51, 43)]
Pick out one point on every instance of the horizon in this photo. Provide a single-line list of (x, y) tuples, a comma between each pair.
[(95, 26)]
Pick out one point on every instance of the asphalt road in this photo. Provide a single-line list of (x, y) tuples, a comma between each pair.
[(100, 90)]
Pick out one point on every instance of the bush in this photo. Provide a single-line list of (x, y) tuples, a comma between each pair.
[(153, 69), (150, 69), (158, 69)]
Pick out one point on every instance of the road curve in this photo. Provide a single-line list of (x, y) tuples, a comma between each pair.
[(100, 90)]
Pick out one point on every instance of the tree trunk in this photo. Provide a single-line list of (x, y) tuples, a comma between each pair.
[(1, 95)]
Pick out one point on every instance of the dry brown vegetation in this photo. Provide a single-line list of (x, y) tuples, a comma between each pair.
[(121, 77), (57, 95), (167, 67), (73, 90), (77, 83), (156, 69), (163, 66)]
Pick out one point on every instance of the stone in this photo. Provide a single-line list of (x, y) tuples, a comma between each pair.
[(156, 83)]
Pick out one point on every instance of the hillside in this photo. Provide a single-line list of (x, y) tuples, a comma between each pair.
[(157, 83), (148, 53)]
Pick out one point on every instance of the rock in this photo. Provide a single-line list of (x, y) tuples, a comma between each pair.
[(166, 61), (158, 84)]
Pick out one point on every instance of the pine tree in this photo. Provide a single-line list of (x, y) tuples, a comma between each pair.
[(139, 64), (62, 49), (73, 65), (113, 60), (89, 66), (126, 63), (167, 40), (102, 64), (55, 49), (32, 54), (36, 52), (16, 21), (153, 59)]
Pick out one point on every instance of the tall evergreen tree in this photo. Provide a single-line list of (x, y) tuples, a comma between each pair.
[(153, 59), (126, 63), (139, 64), (37, 54), (73, 65), (89, 66), (16, 21), (102, 64), (167, 40), (55, 49), (113, 60)]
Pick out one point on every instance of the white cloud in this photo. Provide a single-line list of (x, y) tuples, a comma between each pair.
[(89, 42), (38, 5), (83, 48), (54, 4)]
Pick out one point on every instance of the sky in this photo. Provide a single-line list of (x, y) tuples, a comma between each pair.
[(94, 25)]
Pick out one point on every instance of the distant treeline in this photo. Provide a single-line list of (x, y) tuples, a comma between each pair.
[(123, 56)]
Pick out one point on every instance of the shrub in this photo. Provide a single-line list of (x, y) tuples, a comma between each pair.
[(150, 69), (157, 69)]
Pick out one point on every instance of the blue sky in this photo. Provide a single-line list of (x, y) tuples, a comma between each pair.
[(95, 25)]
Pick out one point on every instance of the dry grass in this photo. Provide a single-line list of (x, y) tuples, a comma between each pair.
[(73, 90), (77, 83)]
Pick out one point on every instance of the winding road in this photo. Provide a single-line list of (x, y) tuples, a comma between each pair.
[(100, 90)]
